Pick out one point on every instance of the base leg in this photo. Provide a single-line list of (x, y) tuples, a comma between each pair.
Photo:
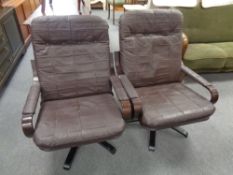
[(181, 131), (113, 14), (108, 11), (43, 4), (108, 147), (152, 140), (70, 158), (79, 7)]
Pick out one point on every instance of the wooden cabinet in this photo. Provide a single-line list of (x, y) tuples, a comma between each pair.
[(23, 8), (11, 43), (24, 29)]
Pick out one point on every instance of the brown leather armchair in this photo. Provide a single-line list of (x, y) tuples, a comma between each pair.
[(151, 71), (72, 76)]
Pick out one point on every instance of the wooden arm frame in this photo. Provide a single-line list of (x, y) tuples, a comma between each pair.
[(133, 95), (187, 71), (30, 108), (121, 97), (213, 91)]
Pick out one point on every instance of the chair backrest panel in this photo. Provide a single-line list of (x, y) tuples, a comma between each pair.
[(151, 46), (72, 56)]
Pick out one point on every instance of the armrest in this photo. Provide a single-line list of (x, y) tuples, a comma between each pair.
[(122, 97), (213, 91), (132, 94), (185, 44), (116, 63), (30, 108)]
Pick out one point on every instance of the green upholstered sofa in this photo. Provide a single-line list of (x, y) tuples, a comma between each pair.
[(210, 33)]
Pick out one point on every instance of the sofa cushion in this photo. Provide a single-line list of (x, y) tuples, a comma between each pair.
[(210, 57), (227, 47), (208, 25), (204, 57)]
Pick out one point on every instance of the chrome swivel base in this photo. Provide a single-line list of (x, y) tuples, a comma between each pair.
[(181, 131), (70, 157), (152, 139), (108, 147)]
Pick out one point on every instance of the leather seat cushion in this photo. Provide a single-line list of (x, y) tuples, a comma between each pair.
[(172, 105), (77, 121)]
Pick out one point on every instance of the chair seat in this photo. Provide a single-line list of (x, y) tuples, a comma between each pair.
[(172, 105), (77, 121)]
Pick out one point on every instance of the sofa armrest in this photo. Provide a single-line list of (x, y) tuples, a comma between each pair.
[(185, 44), (213, 91), (121, 97), (133, 95), (30, 108)]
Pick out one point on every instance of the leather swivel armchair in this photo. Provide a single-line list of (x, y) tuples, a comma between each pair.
[(72, 62), (151, 71)]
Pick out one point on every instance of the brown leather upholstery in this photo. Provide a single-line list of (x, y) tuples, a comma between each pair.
[(72, 56), (77, 121), (150, 58), (173, 104), (77, 104), (145, 38)]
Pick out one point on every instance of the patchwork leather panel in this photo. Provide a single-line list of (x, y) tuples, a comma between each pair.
[(151, 46), (77, 121), (71, 55), (69, 29), (172, 105), (73, 70), (157, 22), (151, 59)]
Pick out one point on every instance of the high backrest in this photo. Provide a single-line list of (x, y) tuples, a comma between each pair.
[(207, 25), (72, 55), (151, 46)]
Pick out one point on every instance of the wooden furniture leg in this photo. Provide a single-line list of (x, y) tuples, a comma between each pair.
[(43, 5), (79, 7)]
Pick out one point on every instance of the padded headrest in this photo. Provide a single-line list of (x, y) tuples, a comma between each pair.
[(69, 29), (158, 21)]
